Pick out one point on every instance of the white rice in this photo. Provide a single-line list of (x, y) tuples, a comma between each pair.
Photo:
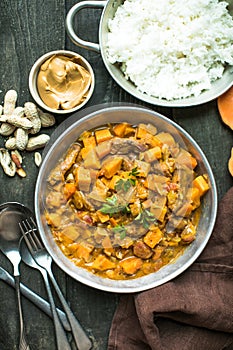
[(171, 49)]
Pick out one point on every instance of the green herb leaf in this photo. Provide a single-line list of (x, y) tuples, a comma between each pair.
[(146, 218), (113, 207), (124, 185), (135, 172), (121, 230)]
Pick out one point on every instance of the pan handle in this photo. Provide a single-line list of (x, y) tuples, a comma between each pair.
[(70, 21)]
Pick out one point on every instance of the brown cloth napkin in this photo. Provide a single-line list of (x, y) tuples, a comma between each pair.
[(194, 311)]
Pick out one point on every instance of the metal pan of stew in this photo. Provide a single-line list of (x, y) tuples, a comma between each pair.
[(125, 199)]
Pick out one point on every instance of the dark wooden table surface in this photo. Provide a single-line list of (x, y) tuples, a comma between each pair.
[(28, 29)]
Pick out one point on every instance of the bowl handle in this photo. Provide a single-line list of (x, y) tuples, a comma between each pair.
[(70, 19)]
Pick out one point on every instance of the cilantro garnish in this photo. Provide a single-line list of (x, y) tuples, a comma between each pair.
[(135, 172), (124, 185), (121, 230), (113, 206), (146, 218)]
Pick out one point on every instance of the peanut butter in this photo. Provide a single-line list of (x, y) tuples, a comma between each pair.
[(62, 82)]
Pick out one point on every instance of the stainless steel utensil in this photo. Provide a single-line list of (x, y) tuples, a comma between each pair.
[(36, 256), (10, 215), (33, 297), (61, 339)]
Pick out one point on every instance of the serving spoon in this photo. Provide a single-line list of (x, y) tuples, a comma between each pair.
[(10, 215)]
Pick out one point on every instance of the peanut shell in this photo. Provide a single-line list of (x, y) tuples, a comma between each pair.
[(37, 142)]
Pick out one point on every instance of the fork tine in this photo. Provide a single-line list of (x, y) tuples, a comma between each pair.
[(34, 236), (30, 235), (35, 225), (25, 236)]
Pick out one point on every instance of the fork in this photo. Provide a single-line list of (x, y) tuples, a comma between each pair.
[(61, 339), (44, 260)]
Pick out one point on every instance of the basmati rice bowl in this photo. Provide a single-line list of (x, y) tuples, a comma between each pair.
[(168, 53), (171, 50)]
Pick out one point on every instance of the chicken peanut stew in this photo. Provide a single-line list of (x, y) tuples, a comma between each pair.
[(125, 200)]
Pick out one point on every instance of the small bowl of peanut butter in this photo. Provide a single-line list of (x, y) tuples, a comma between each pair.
[(61, 81)]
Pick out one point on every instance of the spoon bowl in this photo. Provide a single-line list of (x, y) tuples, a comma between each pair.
[(10, 215)]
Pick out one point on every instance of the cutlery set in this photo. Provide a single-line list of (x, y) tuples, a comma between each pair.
[(20, 240)]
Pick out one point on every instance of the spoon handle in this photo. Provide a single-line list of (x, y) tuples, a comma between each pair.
[(23, 345), (62, 341), (81, 339)]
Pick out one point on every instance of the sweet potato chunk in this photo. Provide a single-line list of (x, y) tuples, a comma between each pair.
[(195, 197), (153, 237), (142, 133), (102, 263), (102, 135), (153, 154), (89, 142), (113, 181), (147, 133), (112, 166), (69, 190), (202, 185), (131, 265), (135, 207), (185, 210), (119, 129), (82, 251)]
